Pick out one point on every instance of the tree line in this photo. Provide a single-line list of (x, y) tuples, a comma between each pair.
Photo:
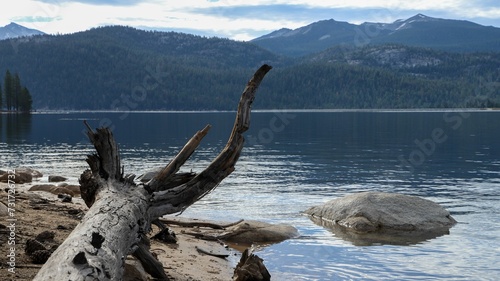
[(14, 96), (119, 68)]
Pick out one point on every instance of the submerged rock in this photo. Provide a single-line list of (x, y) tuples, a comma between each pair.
[(241, 234), (250, 231), (383, 218), (57, 178)]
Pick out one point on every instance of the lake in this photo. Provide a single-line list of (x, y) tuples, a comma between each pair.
[(296, 159)]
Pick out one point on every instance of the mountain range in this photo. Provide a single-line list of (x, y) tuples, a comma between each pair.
[(123, 68), (419, 31), (14, 30)]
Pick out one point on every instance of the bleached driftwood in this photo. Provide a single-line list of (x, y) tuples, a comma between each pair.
[(121, 212)]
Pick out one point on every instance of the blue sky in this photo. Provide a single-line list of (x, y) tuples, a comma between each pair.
[(235, 19)]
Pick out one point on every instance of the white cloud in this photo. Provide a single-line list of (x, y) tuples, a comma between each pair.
[(386, 4), (236, 19)]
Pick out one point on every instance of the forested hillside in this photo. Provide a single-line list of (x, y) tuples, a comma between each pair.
[(122, 68), (319, 85), (421, 77), (104, 67)]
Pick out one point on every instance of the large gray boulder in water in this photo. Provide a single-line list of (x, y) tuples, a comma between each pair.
[(383, 217)]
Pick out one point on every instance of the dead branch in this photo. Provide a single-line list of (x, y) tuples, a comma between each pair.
[(198, 223), (120, 212)]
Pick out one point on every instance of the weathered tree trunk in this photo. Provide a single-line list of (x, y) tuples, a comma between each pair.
[(121, 212)]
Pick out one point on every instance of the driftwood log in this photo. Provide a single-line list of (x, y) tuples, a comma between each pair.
[(251, 268), (121, 212)]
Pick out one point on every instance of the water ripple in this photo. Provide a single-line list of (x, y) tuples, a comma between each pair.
[(306, 166)]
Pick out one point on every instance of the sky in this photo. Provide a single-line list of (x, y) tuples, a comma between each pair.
[(234, 19)]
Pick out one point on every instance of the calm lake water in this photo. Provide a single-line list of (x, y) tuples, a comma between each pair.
[(294, 160)]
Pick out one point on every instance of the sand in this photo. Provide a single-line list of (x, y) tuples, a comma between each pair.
[(39, 211)]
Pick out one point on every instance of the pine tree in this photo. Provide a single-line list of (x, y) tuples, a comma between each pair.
[(16, 91), (25, 100), (8, 90), (17, 97)]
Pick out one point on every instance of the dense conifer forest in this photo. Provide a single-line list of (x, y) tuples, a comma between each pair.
[(122, 68), (13, 95)]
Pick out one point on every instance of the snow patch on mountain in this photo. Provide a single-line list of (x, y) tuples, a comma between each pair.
[(14, 30)]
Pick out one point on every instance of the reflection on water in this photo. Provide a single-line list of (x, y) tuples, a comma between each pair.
[(379, 237), (317, 157), (14, 126)]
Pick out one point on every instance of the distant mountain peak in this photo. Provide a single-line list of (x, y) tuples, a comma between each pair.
[(421, 16), (417, 17), (419, 30), (12, 24), (277, 33), (14, 30), (405, 23), (315, 31)]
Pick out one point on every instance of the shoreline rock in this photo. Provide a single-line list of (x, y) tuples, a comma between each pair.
[(383, 218), (19, 175), (251, 231), (57, 178), (73, 190), (38, 212), (239, 235)]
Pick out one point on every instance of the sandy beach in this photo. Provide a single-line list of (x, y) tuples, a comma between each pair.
[(37, 212)]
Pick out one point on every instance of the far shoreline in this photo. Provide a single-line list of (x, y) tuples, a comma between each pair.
[(335, 110)]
